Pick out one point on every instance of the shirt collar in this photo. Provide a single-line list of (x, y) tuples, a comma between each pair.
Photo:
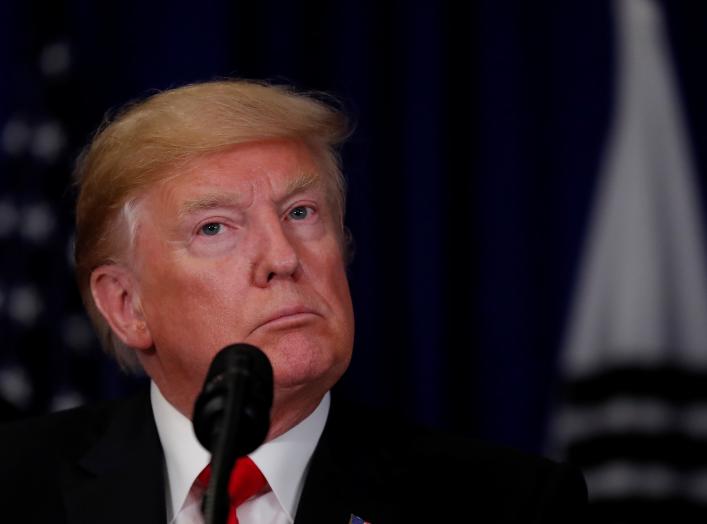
[(184, 455), (283, 461)]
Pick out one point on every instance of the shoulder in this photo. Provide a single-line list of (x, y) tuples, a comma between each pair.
[(60, 436), (516, 486), (85, 461)]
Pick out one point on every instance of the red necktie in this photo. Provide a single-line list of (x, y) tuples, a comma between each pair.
[(246, 480)]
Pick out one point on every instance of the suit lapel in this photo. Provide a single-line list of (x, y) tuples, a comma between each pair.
[(120, 479), (345, 477), (325, 494)]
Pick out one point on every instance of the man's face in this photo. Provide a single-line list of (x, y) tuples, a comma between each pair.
[(244, 246)]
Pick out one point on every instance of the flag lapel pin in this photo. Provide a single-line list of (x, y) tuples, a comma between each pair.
[(357, 520)]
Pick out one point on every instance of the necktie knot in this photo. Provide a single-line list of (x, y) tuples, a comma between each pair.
[(245, 482)]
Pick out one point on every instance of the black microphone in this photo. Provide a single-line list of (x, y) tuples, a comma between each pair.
[(232, 417)]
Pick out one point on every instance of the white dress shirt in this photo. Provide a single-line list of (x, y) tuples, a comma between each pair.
[(283, 461)]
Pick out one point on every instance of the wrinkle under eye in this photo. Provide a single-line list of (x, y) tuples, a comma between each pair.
[(211, 229)]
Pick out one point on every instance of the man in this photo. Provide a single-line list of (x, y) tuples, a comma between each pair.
[(212, 214)]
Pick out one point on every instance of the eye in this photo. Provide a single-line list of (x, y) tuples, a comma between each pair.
[(211, 229), (300, 212)]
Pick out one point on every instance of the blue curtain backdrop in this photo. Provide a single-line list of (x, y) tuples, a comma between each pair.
[(479, 127)]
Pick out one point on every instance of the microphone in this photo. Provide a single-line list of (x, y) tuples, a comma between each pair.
[(232, 417)]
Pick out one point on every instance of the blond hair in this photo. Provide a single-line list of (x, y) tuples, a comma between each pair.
[(146, 140)]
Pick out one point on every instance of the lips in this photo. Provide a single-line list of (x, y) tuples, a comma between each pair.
[(286, 316)]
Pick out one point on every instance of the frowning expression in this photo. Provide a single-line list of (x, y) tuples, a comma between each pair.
[(244, 246)]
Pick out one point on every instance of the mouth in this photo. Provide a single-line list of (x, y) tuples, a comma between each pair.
[(288, 317)]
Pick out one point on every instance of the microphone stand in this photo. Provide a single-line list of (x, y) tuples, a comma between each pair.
[(224, 454), (231, 418)]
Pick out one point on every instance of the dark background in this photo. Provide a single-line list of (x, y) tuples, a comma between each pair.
[(479, 132)]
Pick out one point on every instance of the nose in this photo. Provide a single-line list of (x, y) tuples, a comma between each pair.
[(277, 257)]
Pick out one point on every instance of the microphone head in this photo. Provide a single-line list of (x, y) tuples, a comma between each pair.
[(236, 366)]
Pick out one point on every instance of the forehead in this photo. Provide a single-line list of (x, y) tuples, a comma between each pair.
[(275, 169)]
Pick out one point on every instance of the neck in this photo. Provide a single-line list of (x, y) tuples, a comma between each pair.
[(289, 409)]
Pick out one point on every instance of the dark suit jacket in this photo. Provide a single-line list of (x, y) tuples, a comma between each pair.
[(103, 464)]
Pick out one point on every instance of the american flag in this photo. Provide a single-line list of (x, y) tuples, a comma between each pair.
[(50, 358)]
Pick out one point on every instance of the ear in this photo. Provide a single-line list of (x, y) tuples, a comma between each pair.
[(116, 295)]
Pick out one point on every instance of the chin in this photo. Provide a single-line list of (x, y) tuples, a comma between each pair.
[(301, 365)]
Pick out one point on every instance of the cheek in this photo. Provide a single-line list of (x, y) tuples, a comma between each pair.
[(336, 280), (192, 305), (332, 285)]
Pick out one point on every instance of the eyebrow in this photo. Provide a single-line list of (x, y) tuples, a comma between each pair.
[(209, 201), (300, 183)]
